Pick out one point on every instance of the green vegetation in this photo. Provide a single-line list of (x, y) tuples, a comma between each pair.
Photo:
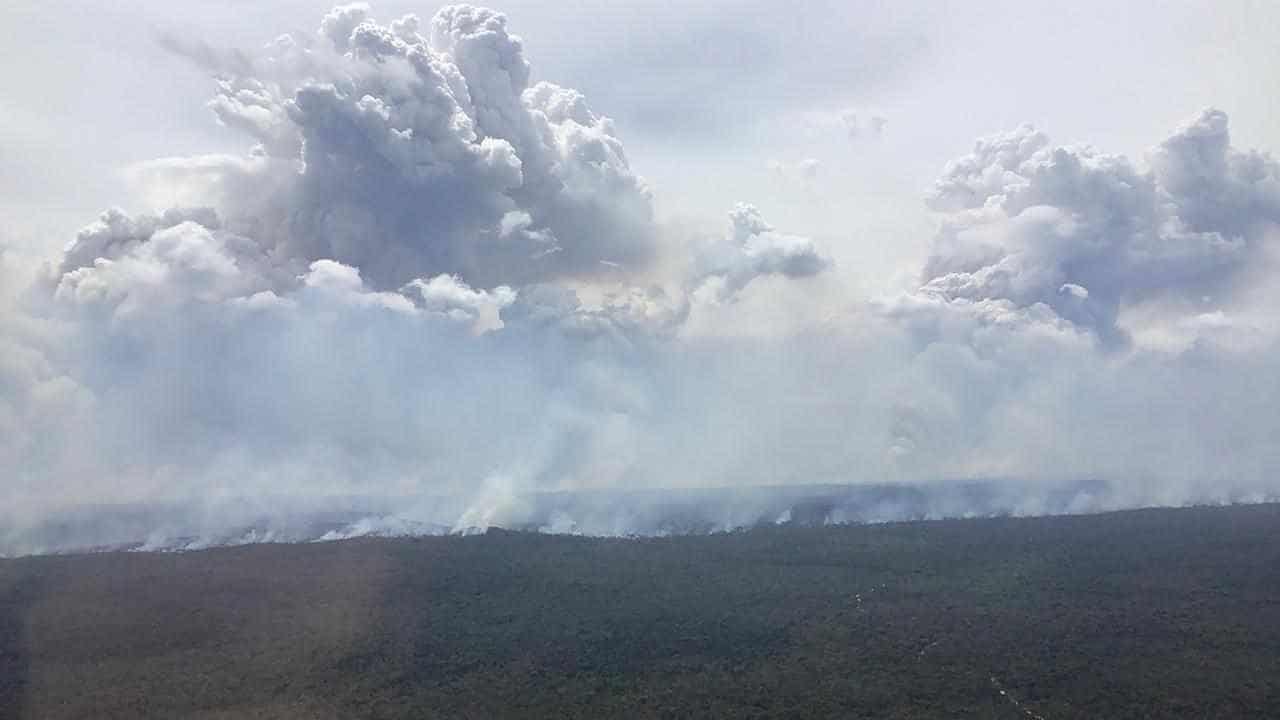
[(1147, 614)]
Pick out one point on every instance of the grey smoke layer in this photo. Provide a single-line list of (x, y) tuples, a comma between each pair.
[(433, 278)]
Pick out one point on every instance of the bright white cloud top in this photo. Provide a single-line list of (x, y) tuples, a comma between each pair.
[(435, 283)]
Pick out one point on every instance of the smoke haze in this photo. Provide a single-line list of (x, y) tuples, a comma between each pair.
[(433, 295)]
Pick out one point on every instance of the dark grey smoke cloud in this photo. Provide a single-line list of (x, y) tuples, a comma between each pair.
[(433, 297)]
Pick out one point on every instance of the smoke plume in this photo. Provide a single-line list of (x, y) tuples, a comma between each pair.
[(433, 296)]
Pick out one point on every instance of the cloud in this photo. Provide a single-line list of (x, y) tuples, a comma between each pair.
[(712, 71), (805, 175), (856, 127), (834, 129)]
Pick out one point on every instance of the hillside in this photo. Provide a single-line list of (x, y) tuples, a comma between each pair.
[(1153, 613)]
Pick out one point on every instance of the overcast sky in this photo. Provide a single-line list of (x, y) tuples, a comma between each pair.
[(645, 244)]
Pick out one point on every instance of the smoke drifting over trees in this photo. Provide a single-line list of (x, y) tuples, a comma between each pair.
[(433, 277)]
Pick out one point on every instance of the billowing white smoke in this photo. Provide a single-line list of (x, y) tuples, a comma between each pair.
[(439, 288), (1087, 234), (410, 150), (753, 249)]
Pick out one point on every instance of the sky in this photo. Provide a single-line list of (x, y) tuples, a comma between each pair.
[(288, 251)]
